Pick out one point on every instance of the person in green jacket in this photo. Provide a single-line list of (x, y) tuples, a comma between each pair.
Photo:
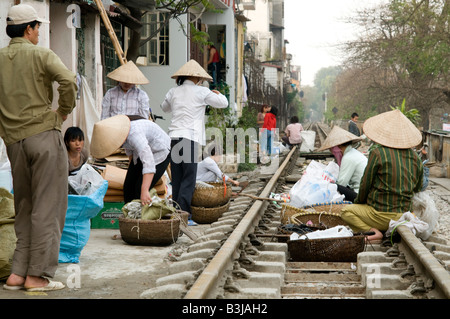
[(31, 130), (394, 173)]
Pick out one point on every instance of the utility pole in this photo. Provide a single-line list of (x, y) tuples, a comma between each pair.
[(325, 98)]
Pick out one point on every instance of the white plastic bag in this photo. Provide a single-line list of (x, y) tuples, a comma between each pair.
[(334, 232), (418, 227), (425, 209), (316, 186), (308, 141), (86, 181), (331, 172), (5, 168)]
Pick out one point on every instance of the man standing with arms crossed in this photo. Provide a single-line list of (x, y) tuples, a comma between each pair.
[(32, 134)]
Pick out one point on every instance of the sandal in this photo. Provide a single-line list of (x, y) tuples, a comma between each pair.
[(52, 285), (17, 287)]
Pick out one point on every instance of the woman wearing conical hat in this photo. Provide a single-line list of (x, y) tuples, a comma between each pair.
[(126, 98), (353, 162), (187, 103), (393, 174), (144, 141)]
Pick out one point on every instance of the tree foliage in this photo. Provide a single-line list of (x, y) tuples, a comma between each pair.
[(402, 53), (412, 114)]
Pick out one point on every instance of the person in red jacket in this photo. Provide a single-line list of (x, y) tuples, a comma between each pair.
[(269, 126)]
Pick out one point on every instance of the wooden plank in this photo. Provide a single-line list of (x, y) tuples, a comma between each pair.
[(323, 290), (322, 277), (320, 266), (111, 32)]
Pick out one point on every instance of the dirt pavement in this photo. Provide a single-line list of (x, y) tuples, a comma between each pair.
[(109, 269)]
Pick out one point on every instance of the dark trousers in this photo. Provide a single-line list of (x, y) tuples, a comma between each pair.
[(133, 179), (183, 165), (349, 193), (285, 139)]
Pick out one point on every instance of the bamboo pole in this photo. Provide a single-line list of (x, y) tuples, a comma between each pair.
[(111, 32)]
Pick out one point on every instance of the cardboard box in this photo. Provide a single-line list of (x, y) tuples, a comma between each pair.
[(108, 217)]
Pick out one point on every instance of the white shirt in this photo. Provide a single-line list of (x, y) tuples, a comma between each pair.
[(148, 142), (352, 168), (209, 171), (187, 103), (133, 102)]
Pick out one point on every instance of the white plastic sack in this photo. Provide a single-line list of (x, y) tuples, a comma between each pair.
[(334, 232), (5, 168), (316, 186), (308, 141), (417, 226), (86, 181), (425, 209)]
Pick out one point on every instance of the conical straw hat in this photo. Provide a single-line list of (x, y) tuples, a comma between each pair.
[(192, 68), (109, 135), (392, 129), (338, 136), (128, 73)]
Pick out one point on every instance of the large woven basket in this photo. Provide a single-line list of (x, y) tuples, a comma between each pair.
[(344, 249), (330, 207), (218, 195), (208, 215), (160, 232), (327, 214)]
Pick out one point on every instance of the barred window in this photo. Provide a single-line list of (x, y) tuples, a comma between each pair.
[(156, 50)]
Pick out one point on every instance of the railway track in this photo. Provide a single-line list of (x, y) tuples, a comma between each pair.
[(239, 257)]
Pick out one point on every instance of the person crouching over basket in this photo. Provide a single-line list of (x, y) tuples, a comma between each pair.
[(147, 145)]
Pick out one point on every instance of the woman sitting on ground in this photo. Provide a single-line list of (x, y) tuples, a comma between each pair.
[(209, 171), (76, 153), (353, 161), (293, 133)]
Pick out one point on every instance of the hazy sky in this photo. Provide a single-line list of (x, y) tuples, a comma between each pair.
[(314, 27)]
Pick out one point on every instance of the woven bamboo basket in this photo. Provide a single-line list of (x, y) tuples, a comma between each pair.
[(330, 207), (218, 195), (327, 214), (159, 232), (208, 215), (344, 249)]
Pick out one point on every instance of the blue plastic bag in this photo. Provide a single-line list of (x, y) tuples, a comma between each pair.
[(77, 227)]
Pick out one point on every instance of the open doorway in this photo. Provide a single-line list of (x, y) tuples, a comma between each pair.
[(216, 57)]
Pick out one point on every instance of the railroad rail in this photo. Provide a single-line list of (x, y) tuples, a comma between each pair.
[(240, 258), (207, 282)]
